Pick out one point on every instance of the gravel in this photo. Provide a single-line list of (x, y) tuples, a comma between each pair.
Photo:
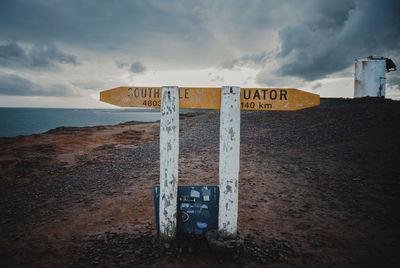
[(346, 152)]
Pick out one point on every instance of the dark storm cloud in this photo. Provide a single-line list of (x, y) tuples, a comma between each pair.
[(99, 24), (11, 52), (14, 85), (137, 67), (321, 37), (316, 37), (45, 54), (41, 55), (190, 32), (337, 34), (258, 60)]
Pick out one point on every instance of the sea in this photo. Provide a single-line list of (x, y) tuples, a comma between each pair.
[(27, 121)]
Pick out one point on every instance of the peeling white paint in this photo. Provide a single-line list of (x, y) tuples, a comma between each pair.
[(169, 153), (229, 149), (370, 77)]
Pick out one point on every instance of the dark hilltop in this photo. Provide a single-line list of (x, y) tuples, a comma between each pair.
[(318, 187)]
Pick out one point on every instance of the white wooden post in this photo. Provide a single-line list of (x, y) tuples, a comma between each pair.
[(169, 153), (229, 149)]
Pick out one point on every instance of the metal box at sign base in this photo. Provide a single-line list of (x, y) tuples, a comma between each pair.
[(197, 208)]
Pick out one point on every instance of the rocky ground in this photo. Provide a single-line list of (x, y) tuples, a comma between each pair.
[(318, 187)]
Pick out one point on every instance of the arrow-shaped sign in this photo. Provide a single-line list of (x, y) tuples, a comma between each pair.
[(265, 99)]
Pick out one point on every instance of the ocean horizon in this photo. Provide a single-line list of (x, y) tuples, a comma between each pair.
[(27, 121)]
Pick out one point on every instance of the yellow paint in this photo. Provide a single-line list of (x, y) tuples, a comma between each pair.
[(271, 99), (276, 99)]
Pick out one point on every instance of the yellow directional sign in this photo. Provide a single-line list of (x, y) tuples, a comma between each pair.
[(268, 99)]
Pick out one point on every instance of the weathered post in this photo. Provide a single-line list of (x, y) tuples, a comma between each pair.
[(169, 153), (229, 149)]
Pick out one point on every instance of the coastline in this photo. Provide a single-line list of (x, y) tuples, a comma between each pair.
[(317, 187), (27, 121)]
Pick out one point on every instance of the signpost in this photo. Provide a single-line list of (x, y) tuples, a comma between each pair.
[(229, 152), (263, 99), (230, 100), (169, 154)]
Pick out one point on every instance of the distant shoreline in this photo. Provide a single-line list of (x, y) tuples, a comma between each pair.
[(26, 121)]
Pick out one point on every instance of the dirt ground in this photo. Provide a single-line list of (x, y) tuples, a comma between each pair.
[(317, 187)]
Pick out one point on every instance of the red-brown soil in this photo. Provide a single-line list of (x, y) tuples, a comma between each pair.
[(318, 187)]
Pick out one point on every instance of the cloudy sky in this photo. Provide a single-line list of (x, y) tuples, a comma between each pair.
[(57, 53)]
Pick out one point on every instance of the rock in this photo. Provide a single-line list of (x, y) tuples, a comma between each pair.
[(282, 257), (219, 243), (287, 244)]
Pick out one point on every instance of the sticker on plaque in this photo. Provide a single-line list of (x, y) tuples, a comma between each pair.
[(206, 194), (185, 216), (185, 205), (206, 191), (201, 225), (195, 194)]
